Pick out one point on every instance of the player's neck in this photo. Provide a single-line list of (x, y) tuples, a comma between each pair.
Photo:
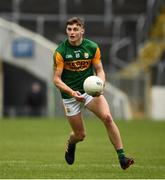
[(76, 43)]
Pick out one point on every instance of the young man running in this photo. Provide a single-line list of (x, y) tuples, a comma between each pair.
[(75, 59)]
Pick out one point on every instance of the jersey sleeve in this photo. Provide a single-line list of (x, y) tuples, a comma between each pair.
[(97, 57), (58, 61)]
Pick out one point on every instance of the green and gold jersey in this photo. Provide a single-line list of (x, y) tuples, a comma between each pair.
[(76, 63)]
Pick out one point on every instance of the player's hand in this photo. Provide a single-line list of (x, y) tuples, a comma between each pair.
[(77, 95)]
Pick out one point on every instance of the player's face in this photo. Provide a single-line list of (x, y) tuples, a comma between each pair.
[(75, 33)]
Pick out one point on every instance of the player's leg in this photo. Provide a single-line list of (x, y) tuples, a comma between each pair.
[(74, 116), (77, 134), (100, 108), (78, 130)]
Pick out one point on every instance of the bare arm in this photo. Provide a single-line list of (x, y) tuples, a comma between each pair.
[(96, 62), (99, 71), (60, 84), (63, 87)]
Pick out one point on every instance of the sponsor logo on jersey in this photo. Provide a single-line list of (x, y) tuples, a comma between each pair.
[(68, 56), (79, 65)]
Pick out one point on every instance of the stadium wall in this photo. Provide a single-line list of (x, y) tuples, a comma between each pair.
[(1, 88), (29, 51), (157, 103), (119, 102)]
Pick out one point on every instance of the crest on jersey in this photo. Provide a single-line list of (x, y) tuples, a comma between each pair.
[(86, 55)]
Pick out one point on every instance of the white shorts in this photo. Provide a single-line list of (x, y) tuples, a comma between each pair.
[(73, 107)]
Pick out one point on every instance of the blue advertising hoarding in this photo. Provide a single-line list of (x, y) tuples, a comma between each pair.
[(23, 48)]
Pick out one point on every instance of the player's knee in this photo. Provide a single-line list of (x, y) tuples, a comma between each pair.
[(80, 136)]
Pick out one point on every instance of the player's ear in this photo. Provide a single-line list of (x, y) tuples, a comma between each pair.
[(66, 30), (82, 31)]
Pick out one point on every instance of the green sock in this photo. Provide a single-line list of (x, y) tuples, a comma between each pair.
[(120, 153)]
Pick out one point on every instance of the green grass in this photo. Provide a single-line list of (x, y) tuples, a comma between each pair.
[(34, 148)]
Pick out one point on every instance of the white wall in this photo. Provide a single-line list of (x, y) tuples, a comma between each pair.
[(158, 103), (40, 65), (1, 89), (119, 103)]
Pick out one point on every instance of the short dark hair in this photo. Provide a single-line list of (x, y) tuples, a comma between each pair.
[(75, 20)]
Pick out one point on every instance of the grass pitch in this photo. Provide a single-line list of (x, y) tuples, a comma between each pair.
[(34, 148)]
